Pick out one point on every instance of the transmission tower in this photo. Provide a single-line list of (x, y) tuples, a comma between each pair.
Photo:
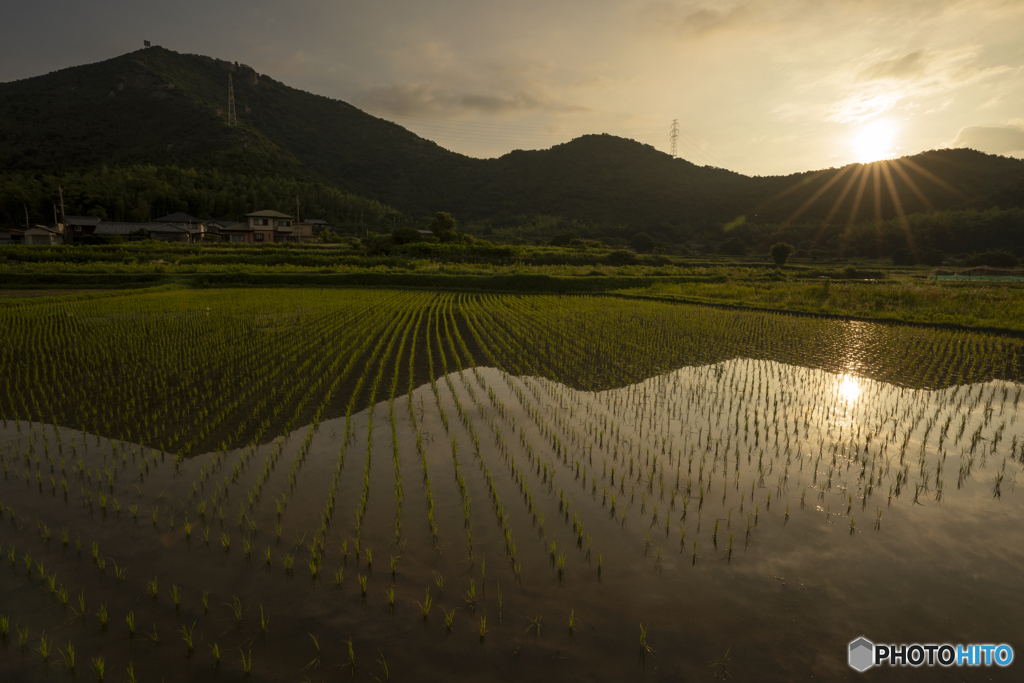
[(673, 135), (231, 118)]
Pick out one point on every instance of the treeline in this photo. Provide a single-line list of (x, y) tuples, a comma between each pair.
[(950, 233), (141, 193)]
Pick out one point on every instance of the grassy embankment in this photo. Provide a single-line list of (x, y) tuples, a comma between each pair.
[(870, 290)]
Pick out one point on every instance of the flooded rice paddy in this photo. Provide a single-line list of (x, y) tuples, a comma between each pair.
[(338, 485)]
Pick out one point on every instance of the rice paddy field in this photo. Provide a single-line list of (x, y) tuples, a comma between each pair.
[(290, 485)]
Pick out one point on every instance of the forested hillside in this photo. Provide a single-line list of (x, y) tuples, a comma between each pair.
[(149, 130)]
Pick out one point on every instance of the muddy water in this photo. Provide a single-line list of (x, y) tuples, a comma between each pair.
[(852, 508)]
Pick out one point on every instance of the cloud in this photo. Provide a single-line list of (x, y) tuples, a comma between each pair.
[(693, 19), (884, 81), (907, 66), (992, 139), (431, 98)]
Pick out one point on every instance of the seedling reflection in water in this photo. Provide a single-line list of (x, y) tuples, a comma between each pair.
[(316, 660)]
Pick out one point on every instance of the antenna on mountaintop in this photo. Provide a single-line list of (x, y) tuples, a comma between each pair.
[(673, 135), (232, 118)]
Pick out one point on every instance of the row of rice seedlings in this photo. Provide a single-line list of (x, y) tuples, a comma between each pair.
[(452, 334), (460, 480), (420, 450), (406, 320), (329, 506)]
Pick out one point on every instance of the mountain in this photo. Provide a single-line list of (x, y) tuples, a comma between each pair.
[(158, 107)]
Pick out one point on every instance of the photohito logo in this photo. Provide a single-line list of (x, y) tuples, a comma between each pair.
[(864, 654)]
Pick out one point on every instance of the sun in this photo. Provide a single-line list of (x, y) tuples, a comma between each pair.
[(874, 141)]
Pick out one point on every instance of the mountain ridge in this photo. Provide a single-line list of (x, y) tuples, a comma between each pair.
[(156, 106)]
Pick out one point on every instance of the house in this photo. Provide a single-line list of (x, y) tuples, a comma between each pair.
[(166, 232), (238, 232), (43, 236), (265, 226), (318, 224), (79, 226), (196, 228)]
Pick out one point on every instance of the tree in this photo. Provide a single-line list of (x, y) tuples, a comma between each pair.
[(780, 252), (903, 257), (933, 257), (444, 226), (642, 242)]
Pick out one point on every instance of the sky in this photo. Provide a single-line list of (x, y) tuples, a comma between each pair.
[(762, 87)]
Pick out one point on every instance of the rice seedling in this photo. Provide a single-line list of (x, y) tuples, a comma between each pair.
[(246, 663), (644, 647), (288, 562), (535, 624), (225, 541), (102, 615), (176, 596), (483, 627), (471, 596), (151, 587), (130, 672), (215, 651), (206, 602), (339, 576), (99, 666), (130, 621), (22, 637), (351, 655), (44, 647), (264, 621), (236, 610), (187, 636), (68, 657), (449, 618), (362, 583), (5, 627), (425, 605)]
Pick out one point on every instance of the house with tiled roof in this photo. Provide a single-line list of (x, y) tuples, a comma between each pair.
[(263, 227), (165, 232)]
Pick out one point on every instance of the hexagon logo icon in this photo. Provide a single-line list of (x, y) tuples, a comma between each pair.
[(862, 654)]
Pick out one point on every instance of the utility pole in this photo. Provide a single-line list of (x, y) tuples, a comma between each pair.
[(26, 215), (68, 237), (673, 136), (232, 118), (297, 217)]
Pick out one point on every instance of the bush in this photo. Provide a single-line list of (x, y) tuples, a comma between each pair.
[(620, 258), (995, 259), (780, 252), (642, 242), (406, 235), (563, 240), (733, 246)]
